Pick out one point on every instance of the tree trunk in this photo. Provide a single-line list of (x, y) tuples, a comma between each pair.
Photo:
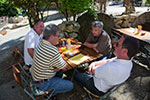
[(129, 6), (74, 17), (30, 21), (29, 18), (144, 2)]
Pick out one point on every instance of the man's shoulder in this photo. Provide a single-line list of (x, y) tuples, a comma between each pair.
[(105, 35), (50, 47), (53, 50), (32, 34), (31, 31)]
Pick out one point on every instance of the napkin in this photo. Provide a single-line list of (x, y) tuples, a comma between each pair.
[(80, 58)]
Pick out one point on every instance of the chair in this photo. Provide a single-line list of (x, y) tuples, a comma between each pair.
[(29, 86), (91, 96), (24, 79), (19, 58), (17, 54)]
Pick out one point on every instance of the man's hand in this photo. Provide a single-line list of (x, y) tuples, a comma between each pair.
[(96, 64), (94, 47), (64, 69), (31, 52), (56, 69), (95, 50), (91, 68)]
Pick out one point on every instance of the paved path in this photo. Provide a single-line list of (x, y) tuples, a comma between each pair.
[(119, 9)]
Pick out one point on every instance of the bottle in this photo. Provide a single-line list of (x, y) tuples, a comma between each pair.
[(68, 44), (68, 41), (139, 29), (63, 43)]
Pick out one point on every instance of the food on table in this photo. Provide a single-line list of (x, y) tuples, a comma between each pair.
[(142, 34), (62, 49)]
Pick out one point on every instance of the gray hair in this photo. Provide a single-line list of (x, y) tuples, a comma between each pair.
[(49, 30), (98, 24)]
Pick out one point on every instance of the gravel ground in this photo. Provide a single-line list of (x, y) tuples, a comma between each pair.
[(137, 87)]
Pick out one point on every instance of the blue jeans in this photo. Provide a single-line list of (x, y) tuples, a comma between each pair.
[(58, 84), (88, 82), (59, 74)]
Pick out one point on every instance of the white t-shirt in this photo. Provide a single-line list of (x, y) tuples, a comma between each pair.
[(32, 40), (112, 73)]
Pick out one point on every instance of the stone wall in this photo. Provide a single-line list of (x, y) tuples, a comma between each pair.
[(141, 19), (86, 20), (132, 20), (85, 26), (108, 22), (69, 29), (124, 21)]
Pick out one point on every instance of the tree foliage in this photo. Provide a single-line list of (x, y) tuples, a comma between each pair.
[(73, 7), (129, 6), (7, 9), (33, 8), (148, 1)]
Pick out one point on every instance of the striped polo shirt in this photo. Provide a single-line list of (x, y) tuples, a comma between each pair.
[(45, 59)]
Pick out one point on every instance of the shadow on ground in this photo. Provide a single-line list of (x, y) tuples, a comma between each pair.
[(137, 87)]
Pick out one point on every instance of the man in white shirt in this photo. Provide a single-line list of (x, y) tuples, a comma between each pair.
[(105, 74), (32, 40)]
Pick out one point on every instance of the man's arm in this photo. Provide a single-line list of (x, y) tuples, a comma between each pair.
[(90, 45), (31, 52), (95, 50), (101, 62), (56, 69), (65, 68), (96, 64)]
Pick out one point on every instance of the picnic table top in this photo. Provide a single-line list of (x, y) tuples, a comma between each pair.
[(84, 55), (143, 35)]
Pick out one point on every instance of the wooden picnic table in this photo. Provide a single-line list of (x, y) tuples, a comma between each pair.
[(88, 52), (143, 37)]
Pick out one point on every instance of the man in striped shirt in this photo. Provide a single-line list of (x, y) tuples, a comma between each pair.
[(47, 62)]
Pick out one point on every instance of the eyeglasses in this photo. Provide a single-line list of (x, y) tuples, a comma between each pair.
[(117, 44)]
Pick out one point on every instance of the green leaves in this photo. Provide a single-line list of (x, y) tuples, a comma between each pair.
[(75, 6), (7, 8), (33, 8)]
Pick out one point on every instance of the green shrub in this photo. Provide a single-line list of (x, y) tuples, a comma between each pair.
[(7, 9)]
